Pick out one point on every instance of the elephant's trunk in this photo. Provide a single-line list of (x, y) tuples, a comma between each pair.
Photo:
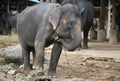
[(75, 37)]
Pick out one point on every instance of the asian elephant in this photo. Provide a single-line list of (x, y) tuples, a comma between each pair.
[(13, 22), (44, 24), (5, 29), (10, 21), (86, 18)]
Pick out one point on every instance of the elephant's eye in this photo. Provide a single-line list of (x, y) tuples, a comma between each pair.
[(70, 24)]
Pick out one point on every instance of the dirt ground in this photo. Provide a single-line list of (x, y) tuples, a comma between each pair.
[(100, 62)]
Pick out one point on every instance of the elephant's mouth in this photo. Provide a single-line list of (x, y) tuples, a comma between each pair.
[(67, 39), (57, 37)]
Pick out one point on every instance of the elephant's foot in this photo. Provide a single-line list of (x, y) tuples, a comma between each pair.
[(52, 74), (84, 47), (38, 67)]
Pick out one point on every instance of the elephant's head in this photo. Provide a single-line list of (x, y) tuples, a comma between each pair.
[(67, 25)]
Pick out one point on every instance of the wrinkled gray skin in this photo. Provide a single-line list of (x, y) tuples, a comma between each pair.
[(13, 20), (86, 18), (41, 25), (6, 27), (10, 22)]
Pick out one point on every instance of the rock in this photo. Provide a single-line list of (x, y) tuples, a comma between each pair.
[(40, 79), (12, 54), (4, 70), (10, 77), (35, 73), (73, 79), (14, 65), (12, 51), (117, 78), (11, 72), (21, 66), (2, 60), (2, 74), (20, 77), (3, 79), (19, 80)]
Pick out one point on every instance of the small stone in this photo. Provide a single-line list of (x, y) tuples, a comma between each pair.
[(116, 78), (2, 60), (2, 74), (4, 79), (20, 75), (83, 63), (12, 72), (40, 79), (5, 70), (13, 65), (35, 73), (107, 66), (21, 66), (10, 77), (8, 67)]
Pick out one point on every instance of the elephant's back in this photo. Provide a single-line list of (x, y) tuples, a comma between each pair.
[(37, 12), (89, 7), (89, 12), (31, 18)]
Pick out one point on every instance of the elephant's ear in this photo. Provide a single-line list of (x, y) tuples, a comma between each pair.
[(83, 16), (54, 16)]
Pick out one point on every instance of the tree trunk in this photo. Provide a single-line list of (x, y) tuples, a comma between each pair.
[(41, 1), (113, 36), (108, 20), (93, 32), (102, 33), (113, 32), (53, 1), (48, 1)]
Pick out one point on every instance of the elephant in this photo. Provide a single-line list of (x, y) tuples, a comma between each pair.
[(9, 21), (4, 29), (86, 18), (13, 22), (44, 24)]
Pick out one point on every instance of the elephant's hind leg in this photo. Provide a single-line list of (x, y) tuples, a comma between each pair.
[(26, 55), (85, 39)]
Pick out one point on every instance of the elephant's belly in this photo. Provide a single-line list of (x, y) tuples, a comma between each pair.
[(29, 40)]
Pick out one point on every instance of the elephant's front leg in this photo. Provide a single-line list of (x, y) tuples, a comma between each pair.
[(39, 59), (56, 52)]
